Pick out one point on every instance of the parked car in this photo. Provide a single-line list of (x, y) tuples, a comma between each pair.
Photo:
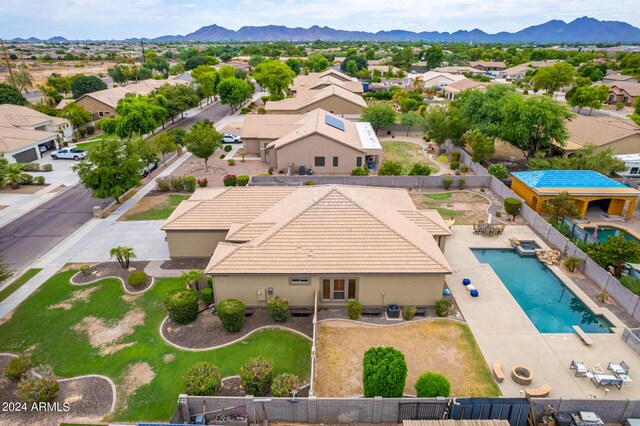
[(148, 169), (231, 138), (68, 153)]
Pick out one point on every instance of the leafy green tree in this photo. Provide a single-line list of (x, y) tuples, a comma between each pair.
[(193, 277), (60, 83), (227, 71), (75, 113), (351, 68), (560, 206), (86, 84), (208, 84), (482, 147), (109, 170), (442, 123), (419, 169), (433, 56), (379, 115), (403, 58), (234, 92), (147, 151), (164, 143), (275, 77), (614, 253), (587, 158), (180, 98), (9, 95), (391, 168), (410, 119), (636, 113), (20, 79), (178, 134), (591, 97), (202, 141), (295, 65), (254, 61), (136, 115), (553, 78), (360, 61)]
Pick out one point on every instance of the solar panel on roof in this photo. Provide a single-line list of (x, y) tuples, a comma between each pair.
[(334, 122)]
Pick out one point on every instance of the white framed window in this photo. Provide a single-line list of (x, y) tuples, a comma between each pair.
[(339, 289)]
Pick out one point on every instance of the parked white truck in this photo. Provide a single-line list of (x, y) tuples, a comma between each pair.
[(632, 161), (69, 153)]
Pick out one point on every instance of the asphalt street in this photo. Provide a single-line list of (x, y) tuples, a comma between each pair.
[(33, 234)]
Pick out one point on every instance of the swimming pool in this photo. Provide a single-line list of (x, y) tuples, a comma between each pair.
[(604, 232), (548, 303)]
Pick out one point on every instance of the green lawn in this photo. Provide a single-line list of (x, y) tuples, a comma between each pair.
[(448, 213), (70, 353), (439, 196), (160, 212), (88, 145), (19, 282)]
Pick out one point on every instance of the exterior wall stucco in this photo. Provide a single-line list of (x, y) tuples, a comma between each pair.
[(333, 104), (193, 243), (95, 107)]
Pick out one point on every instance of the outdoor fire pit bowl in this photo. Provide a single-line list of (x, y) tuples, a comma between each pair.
[(521, 375)]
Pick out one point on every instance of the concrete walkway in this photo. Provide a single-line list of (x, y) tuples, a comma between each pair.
[(504, 332)]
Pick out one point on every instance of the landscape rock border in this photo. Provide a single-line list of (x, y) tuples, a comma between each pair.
[(91, 279)]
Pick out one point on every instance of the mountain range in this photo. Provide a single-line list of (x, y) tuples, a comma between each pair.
[(581, 30)]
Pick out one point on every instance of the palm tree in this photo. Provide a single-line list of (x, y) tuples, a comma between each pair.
[(12, 174), (418, 83), (193, 277), (123, 254)]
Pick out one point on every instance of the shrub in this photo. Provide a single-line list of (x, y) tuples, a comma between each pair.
[(30, 167), (384, 372), (228, 148), (354, 309), (310, 182), (442, 159), (47, 167), (454, 165), (572, 262), (90, 129), (163, 184), (39, 180), (245, 110), (498, 170), (231, 162), (231, 314), (210, 282), (82, 132), (38, 385), (17, 367), (222, 156), (243, 180), (256, 376), (442, 308), (262, 110), (230, 180), (619, 106), (202, 182), (137, 279), (278, 309), (189, 183), (446, 183), (632, 283), (182, 305), (408, 312), (430, 385), (207, 296), (177, 184), (455, 156), (461, 183), (391, 168), (265, 98), (85, 270), (464, 168), (284, 384), (360, 171), (512, 206), (420, 169), (203, 378), (26, 180)]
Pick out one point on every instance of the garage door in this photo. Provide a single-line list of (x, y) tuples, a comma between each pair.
[(26, 156)]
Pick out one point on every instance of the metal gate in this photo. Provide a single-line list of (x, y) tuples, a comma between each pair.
[(515, 410), (422, 410)]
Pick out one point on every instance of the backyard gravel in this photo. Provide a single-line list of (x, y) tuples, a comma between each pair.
[(207, 331), (113, 269)]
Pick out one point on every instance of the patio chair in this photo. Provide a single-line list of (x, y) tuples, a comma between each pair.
[(581, 370), (619, 367)]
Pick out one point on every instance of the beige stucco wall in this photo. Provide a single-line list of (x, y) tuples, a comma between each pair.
[(372, 290), (628, 145), (193, 243), (303, 152), (333, 104), (96, 107)]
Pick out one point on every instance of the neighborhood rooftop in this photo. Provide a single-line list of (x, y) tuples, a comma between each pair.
[(566, 179)]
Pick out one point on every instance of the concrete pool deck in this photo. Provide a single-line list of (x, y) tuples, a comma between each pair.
[(503, 330)]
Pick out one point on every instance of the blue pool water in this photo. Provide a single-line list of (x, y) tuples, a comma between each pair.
[(604, 232), (548, 303)]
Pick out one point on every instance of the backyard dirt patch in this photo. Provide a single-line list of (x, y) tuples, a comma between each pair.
[(167, 358), (147, 203), (78, 296), (440, 346), (136, 376), (218, 167), (207, 331), (90, 400), (464, 206), (106, 336), (181, 264), (23, 189)]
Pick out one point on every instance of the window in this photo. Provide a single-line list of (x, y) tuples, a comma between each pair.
[(106, 113), (299, 281), (335, 161), (339, 289), (634, 170), (319, 162), (358, 161), (100, 113)]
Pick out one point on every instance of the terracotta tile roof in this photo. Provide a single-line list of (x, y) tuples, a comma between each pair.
[(633, 89), (308, 98), (263, 126), (111, 96), (244, 233), (598, 131), (14, 119), (466, 84), (488, 64), (429, 220)]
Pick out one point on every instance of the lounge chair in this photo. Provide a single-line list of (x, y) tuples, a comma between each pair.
[(581, 370), (619, 367)]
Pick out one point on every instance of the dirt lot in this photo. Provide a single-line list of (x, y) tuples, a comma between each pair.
[(442, 346), (464, 206), (41, 70)]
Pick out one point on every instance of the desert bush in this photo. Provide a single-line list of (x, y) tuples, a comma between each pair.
[(231, 162), (360, 171), (512, 206), (90, 129), (47, 167), (256, 376), (231, 314), (310, 182), (222, 156), (572, 263), (38, 385), (278, 309), (207, 296), (39, 180), (203, 378), (455, 156), (137, 279), (498, 170), (430, 385), (464, 168), (619, 106), (461, 184), (284, 384), (442, 308), (442, 159), (243, 180), (228, 148), (408, 312), (163, 184), (82, 132), (384, 372), (177, 184), (354, 309), (85, 270), (454, 165), (203, 182), (446, 183), (17, 367), (182, 305), (189, 183), (262, 110), (230, 180)]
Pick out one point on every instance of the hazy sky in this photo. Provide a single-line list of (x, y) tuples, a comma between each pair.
[(118, 19)]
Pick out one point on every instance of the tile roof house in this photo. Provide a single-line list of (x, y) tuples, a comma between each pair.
[(622, 136), (625, 92), (458, 70), (434, 79), (488, 65), (457, 87), (618, 78), (518, 72), (320, 80), (26, 133), (332, 98), (345, 242), (317, 140)]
